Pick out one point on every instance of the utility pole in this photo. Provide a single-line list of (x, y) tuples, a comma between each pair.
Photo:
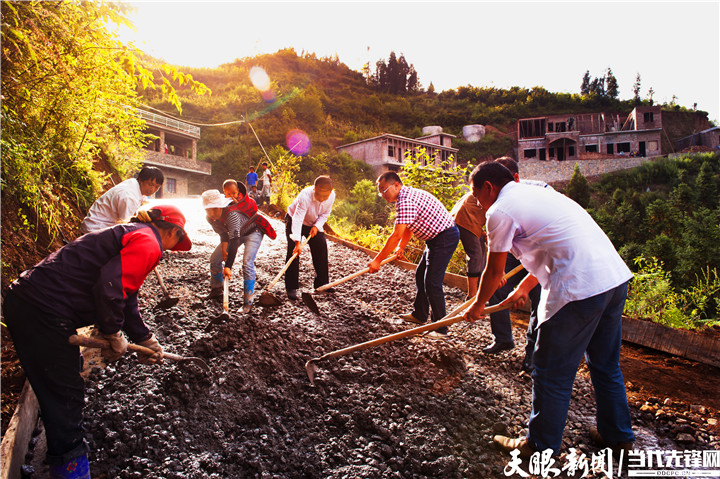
[(247, 142)]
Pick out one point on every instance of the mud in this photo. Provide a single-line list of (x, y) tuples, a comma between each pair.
[(412, 408)]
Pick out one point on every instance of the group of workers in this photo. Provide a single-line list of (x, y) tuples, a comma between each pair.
[(576, 283), (252, 180)]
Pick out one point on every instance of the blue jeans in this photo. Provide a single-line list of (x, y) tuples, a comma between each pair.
[(475, 251), (592, 327), (430, 273), (252, 245), (500, 323)]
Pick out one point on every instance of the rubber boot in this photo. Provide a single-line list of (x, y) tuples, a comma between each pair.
[(249, 292), (77, 468), (216, 287)]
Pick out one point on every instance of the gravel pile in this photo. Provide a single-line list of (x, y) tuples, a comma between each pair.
[(407, 409)]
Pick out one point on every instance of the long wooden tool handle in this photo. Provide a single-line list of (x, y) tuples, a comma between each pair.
[(470, 301), (287, 265), (88, 342), (387, 260), (226, 295), (405, 334), (162, 284)]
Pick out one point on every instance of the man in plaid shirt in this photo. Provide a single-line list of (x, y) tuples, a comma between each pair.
[(420, 213)]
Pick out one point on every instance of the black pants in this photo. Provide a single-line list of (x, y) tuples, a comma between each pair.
[(318, 251), (52, 366)]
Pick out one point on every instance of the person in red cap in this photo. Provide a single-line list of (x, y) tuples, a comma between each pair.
[(93, 280)]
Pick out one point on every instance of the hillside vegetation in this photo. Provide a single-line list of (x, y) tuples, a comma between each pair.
[(335, 105), (67, 83)]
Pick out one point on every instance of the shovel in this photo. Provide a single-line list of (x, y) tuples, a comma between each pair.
[(310, 301), (452, 318), (269, 299), (311, 366), (226, 307), (168, 302), (89, 342)]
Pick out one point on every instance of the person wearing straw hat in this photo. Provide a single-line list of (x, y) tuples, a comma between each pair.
[(93, 280), (235, 229)]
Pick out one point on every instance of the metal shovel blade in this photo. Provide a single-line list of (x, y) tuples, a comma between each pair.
[(311, 368), (167, 303), (310, 302), (269, 299)]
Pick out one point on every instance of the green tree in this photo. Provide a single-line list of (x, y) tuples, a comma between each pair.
[(706, 185), (445, 181), (585, 85), (69, 93), (285, 188), (612, 88), (636, 90), (396, 76), (578, 188), (363, 207)]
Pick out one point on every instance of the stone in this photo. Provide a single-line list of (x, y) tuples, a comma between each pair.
[(473, 133), (685, 438)]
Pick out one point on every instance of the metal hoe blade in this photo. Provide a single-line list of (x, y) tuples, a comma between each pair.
[(310, 302), (311, 368), (269, 299)]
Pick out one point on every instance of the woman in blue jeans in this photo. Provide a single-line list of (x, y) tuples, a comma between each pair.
[(235, 230)]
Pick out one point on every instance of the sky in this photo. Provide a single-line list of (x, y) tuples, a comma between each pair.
[(674, 46)]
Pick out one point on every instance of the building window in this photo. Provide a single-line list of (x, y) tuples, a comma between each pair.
[(529, 153), (610, 149), (551, 152), (170, 185), (550, 126), (532, 128), (648, 116), (391, 151), (623, 147), (591, 148), (571, 151)]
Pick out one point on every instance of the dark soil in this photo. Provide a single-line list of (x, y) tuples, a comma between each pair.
[(412, 408)]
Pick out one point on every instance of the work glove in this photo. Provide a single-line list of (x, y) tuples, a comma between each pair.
[(143, 216), (118, 346), (153, 344)]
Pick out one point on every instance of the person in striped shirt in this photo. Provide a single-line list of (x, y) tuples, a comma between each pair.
[(421, 214), (235, 229)]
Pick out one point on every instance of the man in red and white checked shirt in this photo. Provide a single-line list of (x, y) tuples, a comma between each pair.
[(420, 213)]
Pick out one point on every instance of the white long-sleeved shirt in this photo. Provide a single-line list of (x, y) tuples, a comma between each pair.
[(306, 210), (115, 206)]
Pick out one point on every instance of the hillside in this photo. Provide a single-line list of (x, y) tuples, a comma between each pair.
[(335, 105)]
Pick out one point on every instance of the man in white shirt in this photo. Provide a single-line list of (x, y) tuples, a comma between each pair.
[(120, 202), (584, 287), (306, 216), (266, 184)]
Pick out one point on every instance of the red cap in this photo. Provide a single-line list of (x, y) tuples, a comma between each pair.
[(172, 214)]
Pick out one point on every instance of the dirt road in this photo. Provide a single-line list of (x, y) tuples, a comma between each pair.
[(412, 408)]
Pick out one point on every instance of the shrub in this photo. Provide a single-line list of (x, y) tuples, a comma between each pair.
[(578, 188)]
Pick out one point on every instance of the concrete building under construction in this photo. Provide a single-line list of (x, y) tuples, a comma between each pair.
[(591, 135)]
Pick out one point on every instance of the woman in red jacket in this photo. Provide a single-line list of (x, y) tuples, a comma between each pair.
[(93, 280)]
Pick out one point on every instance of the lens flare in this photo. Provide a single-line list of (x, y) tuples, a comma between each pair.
[(259, 78), (268, 95), (297, 142)]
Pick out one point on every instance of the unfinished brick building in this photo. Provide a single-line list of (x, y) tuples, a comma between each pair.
[(591, 135)]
